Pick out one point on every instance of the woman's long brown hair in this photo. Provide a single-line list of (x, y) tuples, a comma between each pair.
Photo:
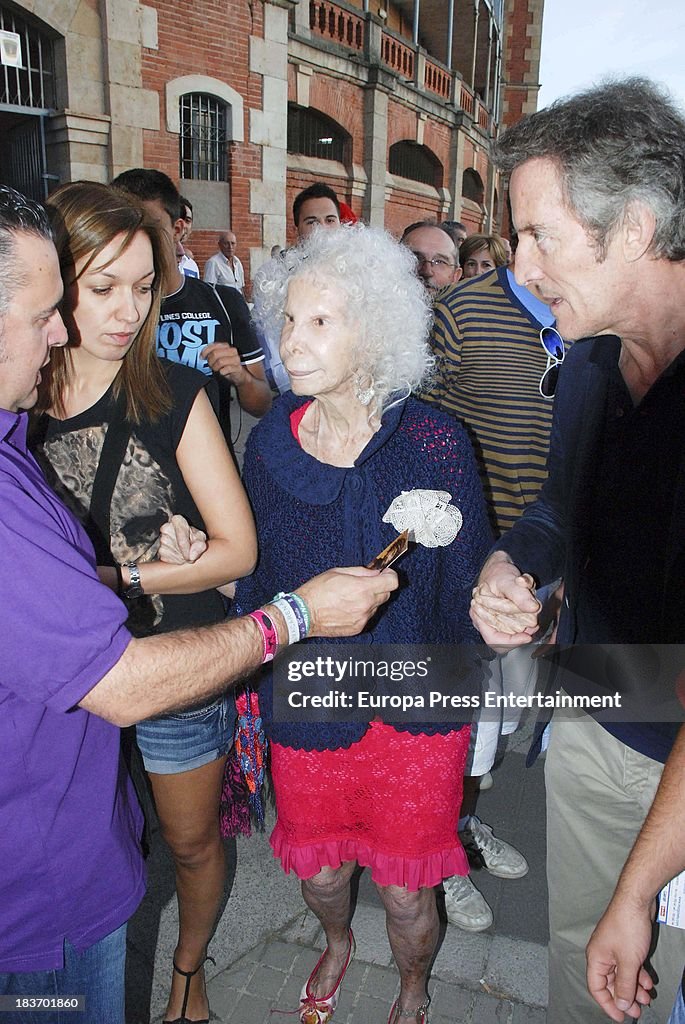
[(86, 216)]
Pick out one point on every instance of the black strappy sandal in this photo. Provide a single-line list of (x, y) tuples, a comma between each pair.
[(186, 995)]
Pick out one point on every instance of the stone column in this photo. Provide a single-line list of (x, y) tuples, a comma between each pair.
[(269, 128), (375, 146), (302, 28), (457, 168), (126, 28)]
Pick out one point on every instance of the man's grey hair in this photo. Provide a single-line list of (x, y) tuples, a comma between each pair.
[(385, 300), (17, 213), (616, 144)]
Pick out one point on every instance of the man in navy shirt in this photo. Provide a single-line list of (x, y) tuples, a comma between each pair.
[(598, 202)]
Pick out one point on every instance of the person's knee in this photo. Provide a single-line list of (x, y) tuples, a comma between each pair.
[(402, 905), (329, 882), (196, 847)]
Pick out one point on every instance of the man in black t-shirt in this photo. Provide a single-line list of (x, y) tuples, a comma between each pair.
[(200, 326)]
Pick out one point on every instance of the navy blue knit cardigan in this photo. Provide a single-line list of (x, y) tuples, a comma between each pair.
[(311, 516)]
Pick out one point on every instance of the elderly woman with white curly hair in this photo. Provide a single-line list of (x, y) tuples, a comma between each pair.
[(322, 470)]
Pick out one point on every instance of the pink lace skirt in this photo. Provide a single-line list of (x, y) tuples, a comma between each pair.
[(391, 802)]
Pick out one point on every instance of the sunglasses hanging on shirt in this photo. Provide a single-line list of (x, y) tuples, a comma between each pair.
[(553, 344)]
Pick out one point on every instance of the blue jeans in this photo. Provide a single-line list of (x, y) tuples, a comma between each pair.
[(678, 1011), (97, 973)]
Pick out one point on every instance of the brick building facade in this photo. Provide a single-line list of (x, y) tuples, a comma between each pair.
[(245, 102)]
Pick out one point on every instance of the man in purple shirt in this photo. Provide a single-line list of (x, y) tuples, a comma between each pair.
[(71, 872)]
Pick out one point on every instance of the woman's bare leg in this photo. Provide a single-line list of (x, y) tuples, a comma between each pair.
[(328, 896), (413, 926), (188, 810)]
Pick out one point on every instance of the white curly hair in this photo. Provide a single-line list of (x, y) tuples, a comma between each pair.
[(385, 297)]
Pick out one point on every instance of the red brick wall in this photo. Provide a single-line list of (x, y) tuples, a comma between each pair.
[(516, 65), (404, 208), (210, 38)]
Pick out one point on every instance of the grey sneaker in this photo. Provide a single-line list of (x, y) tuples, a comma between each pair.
[(465, 906), (485, 850)]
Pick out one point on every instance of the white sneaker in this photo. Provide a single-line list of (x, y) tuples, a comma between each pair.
[(465, 905), (500, 858)]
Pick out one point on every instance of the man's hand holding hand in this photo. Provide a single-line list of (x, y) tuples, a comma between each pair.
[(504, 608)]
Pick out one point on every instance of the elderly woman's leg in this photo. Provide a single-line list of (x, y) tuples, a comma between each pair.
[(328, 896), (412, 924)]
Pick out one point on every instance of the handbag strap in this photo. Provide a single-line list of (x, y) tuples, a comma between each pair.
[(111, 458)]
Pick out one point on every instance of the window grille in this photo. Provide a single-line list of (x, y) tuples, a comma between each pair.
[(472, 186), (313, 134), (410, 160), (32, 85), (203, 138)]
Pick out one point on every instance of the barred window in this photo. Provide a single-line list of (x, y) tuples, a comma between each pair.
[(410, 160), (32, 84), (472, 186), (313, 134), (203, 137)]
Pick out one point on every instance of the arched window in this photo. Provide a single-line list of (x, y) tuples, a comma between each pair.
[(410, 160), (472, 186), (203, 137), (311, 133)]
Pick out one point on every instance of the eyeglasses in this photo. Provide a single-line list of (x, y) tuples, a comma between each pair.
[(553, 344), (436, 262)]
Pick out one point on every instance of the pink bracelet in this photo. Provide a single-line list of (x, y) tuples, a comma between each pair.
[(268, 631)]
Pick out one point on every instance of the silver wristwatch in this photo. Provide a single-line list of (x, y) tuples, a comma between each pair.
[(134, 589)]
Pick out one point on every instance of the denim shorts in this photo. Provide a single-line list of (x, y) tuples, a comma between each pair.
[(188, 739)]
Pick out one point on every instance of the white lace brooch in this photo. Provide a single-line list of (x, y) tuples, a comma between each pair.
[(429, 516)]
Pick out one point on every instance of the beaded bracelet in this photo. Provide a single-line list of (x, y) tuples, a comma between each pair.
[(299, 609), (268, 631)]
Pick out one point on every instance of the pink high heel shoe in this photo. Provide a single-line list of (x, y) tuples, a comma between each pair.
[(320, 1009)]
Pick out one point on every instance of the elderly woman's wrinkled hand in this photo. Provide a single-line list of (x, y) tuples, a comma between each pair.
[(341, 601), (504, 608), (180, 543)]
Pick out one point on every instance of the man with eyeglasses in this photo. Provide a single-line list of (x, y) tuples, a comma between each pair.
[(436, 255), (596, 189)]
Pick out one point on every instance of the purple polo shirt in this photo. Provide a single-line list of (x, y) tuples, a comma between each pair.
[(70, 864)]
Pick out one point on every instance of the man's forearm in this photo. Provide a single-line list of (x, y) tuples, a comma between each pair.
[(254, 395), (176, 670), (659, 851)]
